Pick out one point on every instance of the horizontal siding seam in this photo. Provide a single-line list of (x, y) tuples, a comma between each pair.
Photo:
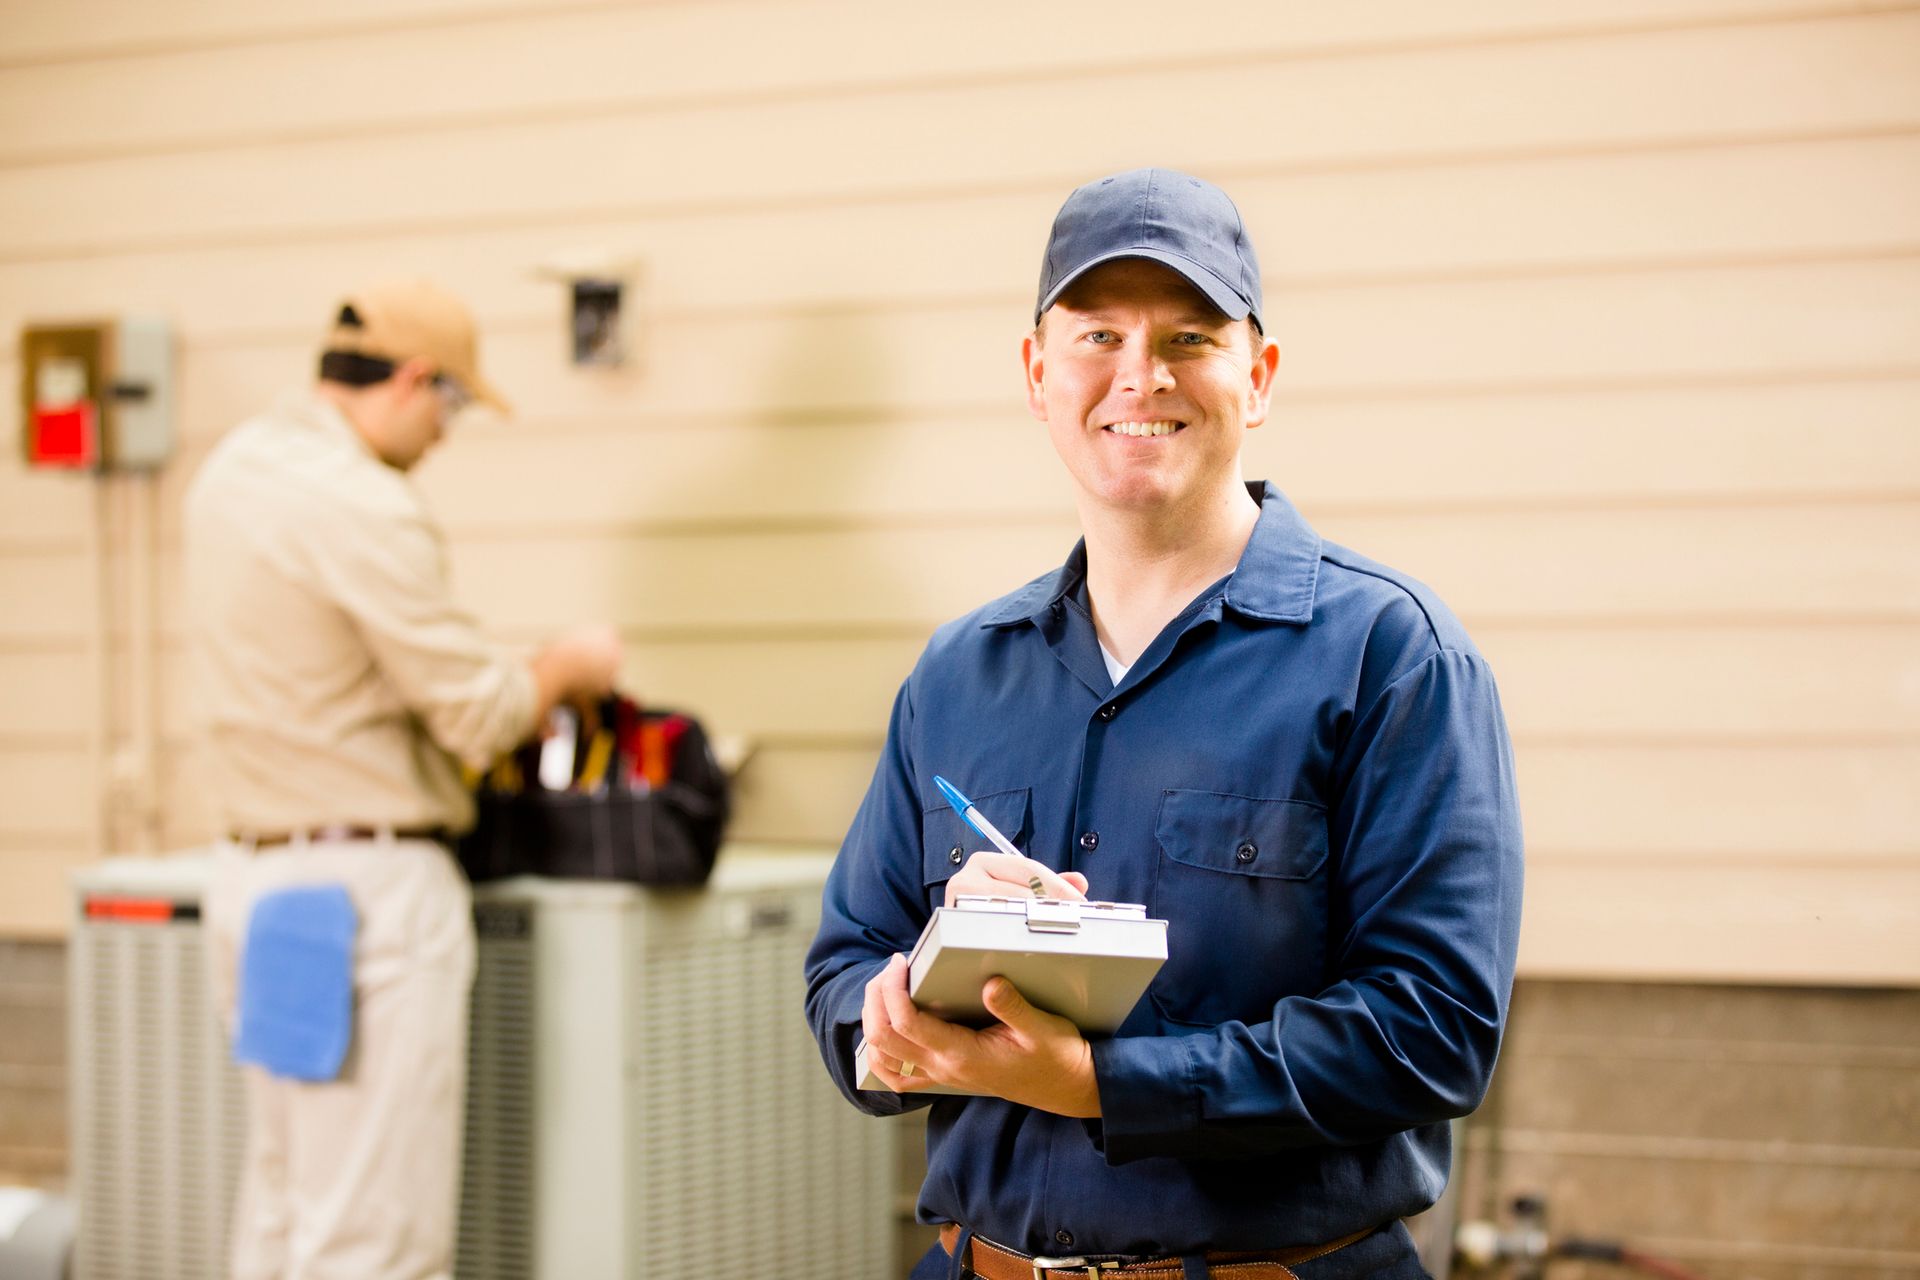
[(173, 644), (1777, 1252), (1693, 1150), (518, 533), (440, 226), (757, 632), (1599, 742), (108, 51), (1523, 1045)]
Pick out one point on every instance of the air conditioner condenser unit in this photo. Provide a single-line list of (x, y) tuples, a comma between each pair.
[(644, 1096)]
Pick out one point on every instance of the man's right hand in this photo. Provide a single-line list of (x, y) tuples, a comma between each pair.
[(1002, 875), (1028, 1056), (577, 665)]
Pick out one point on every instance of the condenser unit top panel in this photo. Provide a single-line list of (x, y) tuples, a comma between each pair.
[(741, 869), (181, 877)]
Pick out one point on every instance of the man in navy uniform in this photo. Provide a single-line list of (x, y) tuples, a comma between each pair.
[(1292, 754)]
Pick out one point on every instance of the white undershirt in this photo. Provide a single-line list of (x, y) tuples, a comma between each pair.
[(1116, 669)]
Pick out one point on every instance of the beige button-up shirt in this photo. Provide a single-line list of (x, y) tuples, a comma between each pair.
[(337, 680)]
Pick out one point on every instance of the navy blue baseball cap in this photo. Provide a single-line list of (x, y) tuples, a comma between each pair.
[(1171, 218)]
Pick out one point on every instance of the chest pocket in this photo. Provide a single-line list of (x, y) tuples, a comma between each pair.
[(946, 840), (1241, 882)]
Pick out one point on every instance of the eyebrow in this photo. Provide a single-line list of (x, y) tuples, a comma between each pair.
[(1195, 319)]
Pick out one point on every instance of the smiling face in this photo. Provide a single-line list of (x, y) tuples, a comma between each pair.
[(1146, 389)]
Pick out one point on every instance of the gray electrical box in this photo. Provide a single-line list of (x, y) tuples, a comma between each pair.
[(97, 396)]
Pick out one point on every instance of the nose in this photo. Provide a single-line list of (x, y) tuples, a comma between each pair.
[(1144, 371)]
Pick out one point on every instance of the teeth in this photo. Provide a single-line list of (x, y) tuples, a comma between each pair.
[(1165, 427)]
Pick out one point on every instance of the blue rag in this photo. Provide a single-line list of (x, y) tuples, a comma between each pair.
[(295, 1014)]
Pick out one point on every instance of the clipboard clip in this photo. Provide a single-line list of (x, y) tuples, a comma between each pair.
[(1053, 915)]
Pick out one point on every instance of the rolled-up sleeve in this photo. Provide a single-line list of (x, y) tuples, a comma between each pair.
[(475, 698), (1425, 895)]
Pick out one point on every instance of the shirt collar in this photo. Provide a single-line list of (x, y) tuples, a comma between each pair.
[(314, 411), (1274, 580), (1030, 602), (1280, 568)]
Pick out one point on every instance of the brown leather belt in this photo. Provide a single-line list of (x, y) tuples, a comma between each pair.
[(337, 833), (991, 1261)]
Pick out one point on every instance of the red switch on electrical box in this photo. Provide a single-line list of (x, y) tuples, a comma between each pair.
[(62, 375), (65, 435)]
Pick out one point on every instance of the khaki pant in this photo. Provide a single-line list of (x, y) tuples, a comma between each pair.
[(358, 1177)]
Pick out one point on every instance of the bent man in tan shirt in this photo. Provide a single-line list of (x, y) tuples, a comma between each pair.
[(341, 688)]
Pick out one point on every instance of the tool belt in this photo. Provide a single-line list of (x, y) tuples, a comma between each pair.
[(992, 1261)]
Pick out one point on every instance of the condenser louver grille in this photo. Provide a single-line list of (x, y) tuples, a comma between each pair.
[(158, 1115), (711, 1173), (496, 1186)]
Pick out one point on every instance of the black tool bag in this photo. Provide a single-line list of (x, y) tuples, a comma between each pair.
[(654, 814)]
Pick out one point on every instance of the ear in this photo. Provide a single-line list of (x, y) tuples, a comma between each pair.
[(414, 373), (1260, 384), (1033, 363)]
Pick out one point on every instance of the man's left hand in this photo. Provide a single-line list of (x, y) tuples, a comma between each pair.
[(1029, 1056)]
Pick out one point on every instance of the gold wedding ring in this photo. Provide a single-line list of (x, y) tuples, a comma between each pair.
[(1039, 889), (906, 1068)]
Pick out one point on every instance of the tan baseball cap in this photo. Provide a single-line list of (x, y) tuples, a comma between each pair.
[(400, 319)]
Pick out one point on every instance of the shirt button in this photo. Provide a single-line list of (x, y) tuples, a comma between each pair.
[(1063, 1238), (1090, 840), (1107, 712), (954, 855), (1247, 851)]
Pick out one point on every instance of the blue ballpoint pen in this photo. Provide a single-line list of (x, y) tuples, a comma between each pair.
[(973, 817)]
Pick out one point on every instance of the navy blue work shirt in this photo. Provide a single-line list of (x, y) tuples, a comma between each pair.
[(1307, 775)]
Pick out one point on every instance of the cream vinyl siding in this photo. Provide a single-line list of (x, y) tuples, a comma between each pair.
[(1602, 317)]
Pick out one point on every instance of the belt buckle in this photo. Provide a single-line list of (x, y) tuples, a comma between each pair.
[(1043, 1268)]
